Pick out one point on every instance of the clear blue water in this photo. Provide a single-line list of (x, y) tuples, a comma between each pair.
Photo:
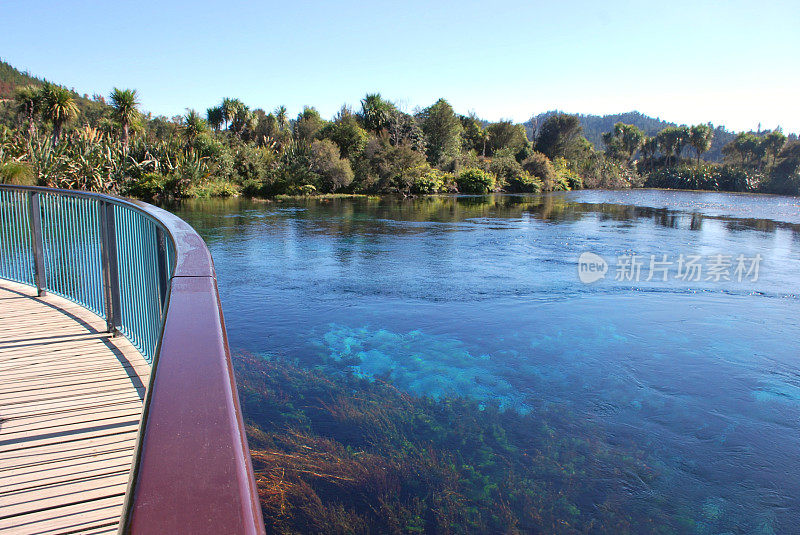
[(480, 296)]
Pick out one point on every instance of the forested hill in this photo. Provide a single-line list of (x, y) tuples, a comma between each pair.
[(595, 125), (11, 78)]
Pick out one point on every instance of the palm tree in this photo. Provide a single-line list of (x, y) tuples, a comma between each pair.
[(193, 125), (230, 107), (280, 116), (376, 112), (214, 116), (242, 119), (649, 149), (484, 136), (58, 107), (700, 136), (773, 143), (682, 141), (671, 140), (29, 101), (124, 102)]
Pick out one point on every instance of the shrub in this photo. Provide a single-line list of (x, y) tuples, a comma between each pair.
[(17, 173), (705, 177), (598, 171), (539, 166), (149, 187), (250, 163), (524, 183), (390, 168), (566, 175), (334, 171), (512, 177), (476, 181), (213, 188), (434, 181), (302, 189), (252, 188)]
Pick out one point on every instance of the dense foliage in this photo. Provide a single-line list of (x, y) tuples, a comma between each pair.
[(52, 136)]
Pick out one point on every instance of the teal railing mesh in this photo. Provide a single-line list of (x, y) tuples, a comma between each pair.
[(137, 260), (73, 230), (16, 250), (72, 249)]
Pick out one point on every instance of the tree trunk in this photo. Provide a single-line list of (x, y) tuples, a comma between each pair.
[(56, 133), (125, 136)]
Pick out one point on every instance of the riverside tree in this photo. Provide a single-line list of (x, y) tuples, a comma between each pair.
[(442, 130)]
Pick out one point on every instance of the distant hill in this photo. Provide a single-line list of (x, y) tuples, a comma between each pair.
[(11, 78), (594, 126)]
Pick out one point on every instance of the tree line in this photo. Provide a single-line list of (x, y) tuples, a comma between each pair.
[(377, 148)]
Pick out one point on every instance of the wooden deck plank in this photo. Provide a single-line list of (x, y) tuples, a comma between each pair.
[(43, 407), (71, 450), (69, 519), (54, 496), (70, 404)]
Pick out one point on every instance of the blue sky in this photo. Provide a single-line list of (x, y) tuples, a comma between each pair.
[(728, 62)]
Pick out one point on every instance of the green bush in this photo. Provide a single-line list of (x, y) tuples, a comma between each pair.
[(524, 183), (733, 178), (539, 166), (303, 189), (512, 177), (566, 176), (476, 181), (149, 187), (17, 173), (598, 171), (704, 177), (434, 181), (333, 172), (213, 188)]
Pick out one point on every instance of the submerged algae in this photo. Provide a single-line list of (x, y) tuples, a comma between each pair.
[(344, 454)]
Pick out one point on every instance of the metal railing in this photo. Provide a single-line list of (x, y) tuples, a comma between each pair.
[(151, 277), (97, 251)]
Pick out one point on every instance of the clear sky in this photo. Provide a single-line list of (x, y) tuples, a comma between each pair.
[(729, 62)]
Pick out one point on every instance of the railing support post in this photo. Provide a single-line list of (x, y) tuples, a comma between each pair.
[(163, 269), (110, 268), (35, 212)]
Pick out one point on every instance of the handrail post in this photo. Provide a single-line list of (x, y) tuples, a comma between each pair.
[(110, 268), (35, 213), (163, 269)]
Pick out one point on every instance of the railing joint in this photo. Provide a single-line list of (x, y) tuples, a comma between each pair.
[(108, 240), (35, 213)]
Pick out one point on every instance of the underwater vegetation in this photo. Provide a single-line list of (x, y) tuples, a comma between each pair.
[(347, 454)]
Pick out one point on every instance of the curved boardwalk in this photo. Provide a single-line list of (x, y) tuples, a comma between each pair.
[(70, 403)]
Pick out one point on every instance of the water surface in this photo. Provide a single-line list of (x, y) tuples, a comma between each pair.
[(480, 296)]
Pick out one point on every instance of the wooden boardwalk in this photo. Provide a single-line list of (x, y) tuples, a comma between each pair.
[(70, 403)]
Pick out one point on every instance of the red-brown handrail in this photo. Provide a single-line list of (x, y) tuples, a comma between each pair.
[(194, 473)]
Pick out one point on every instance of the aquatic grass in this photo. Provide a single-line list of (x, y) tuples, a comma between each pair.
[(346, 454)]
